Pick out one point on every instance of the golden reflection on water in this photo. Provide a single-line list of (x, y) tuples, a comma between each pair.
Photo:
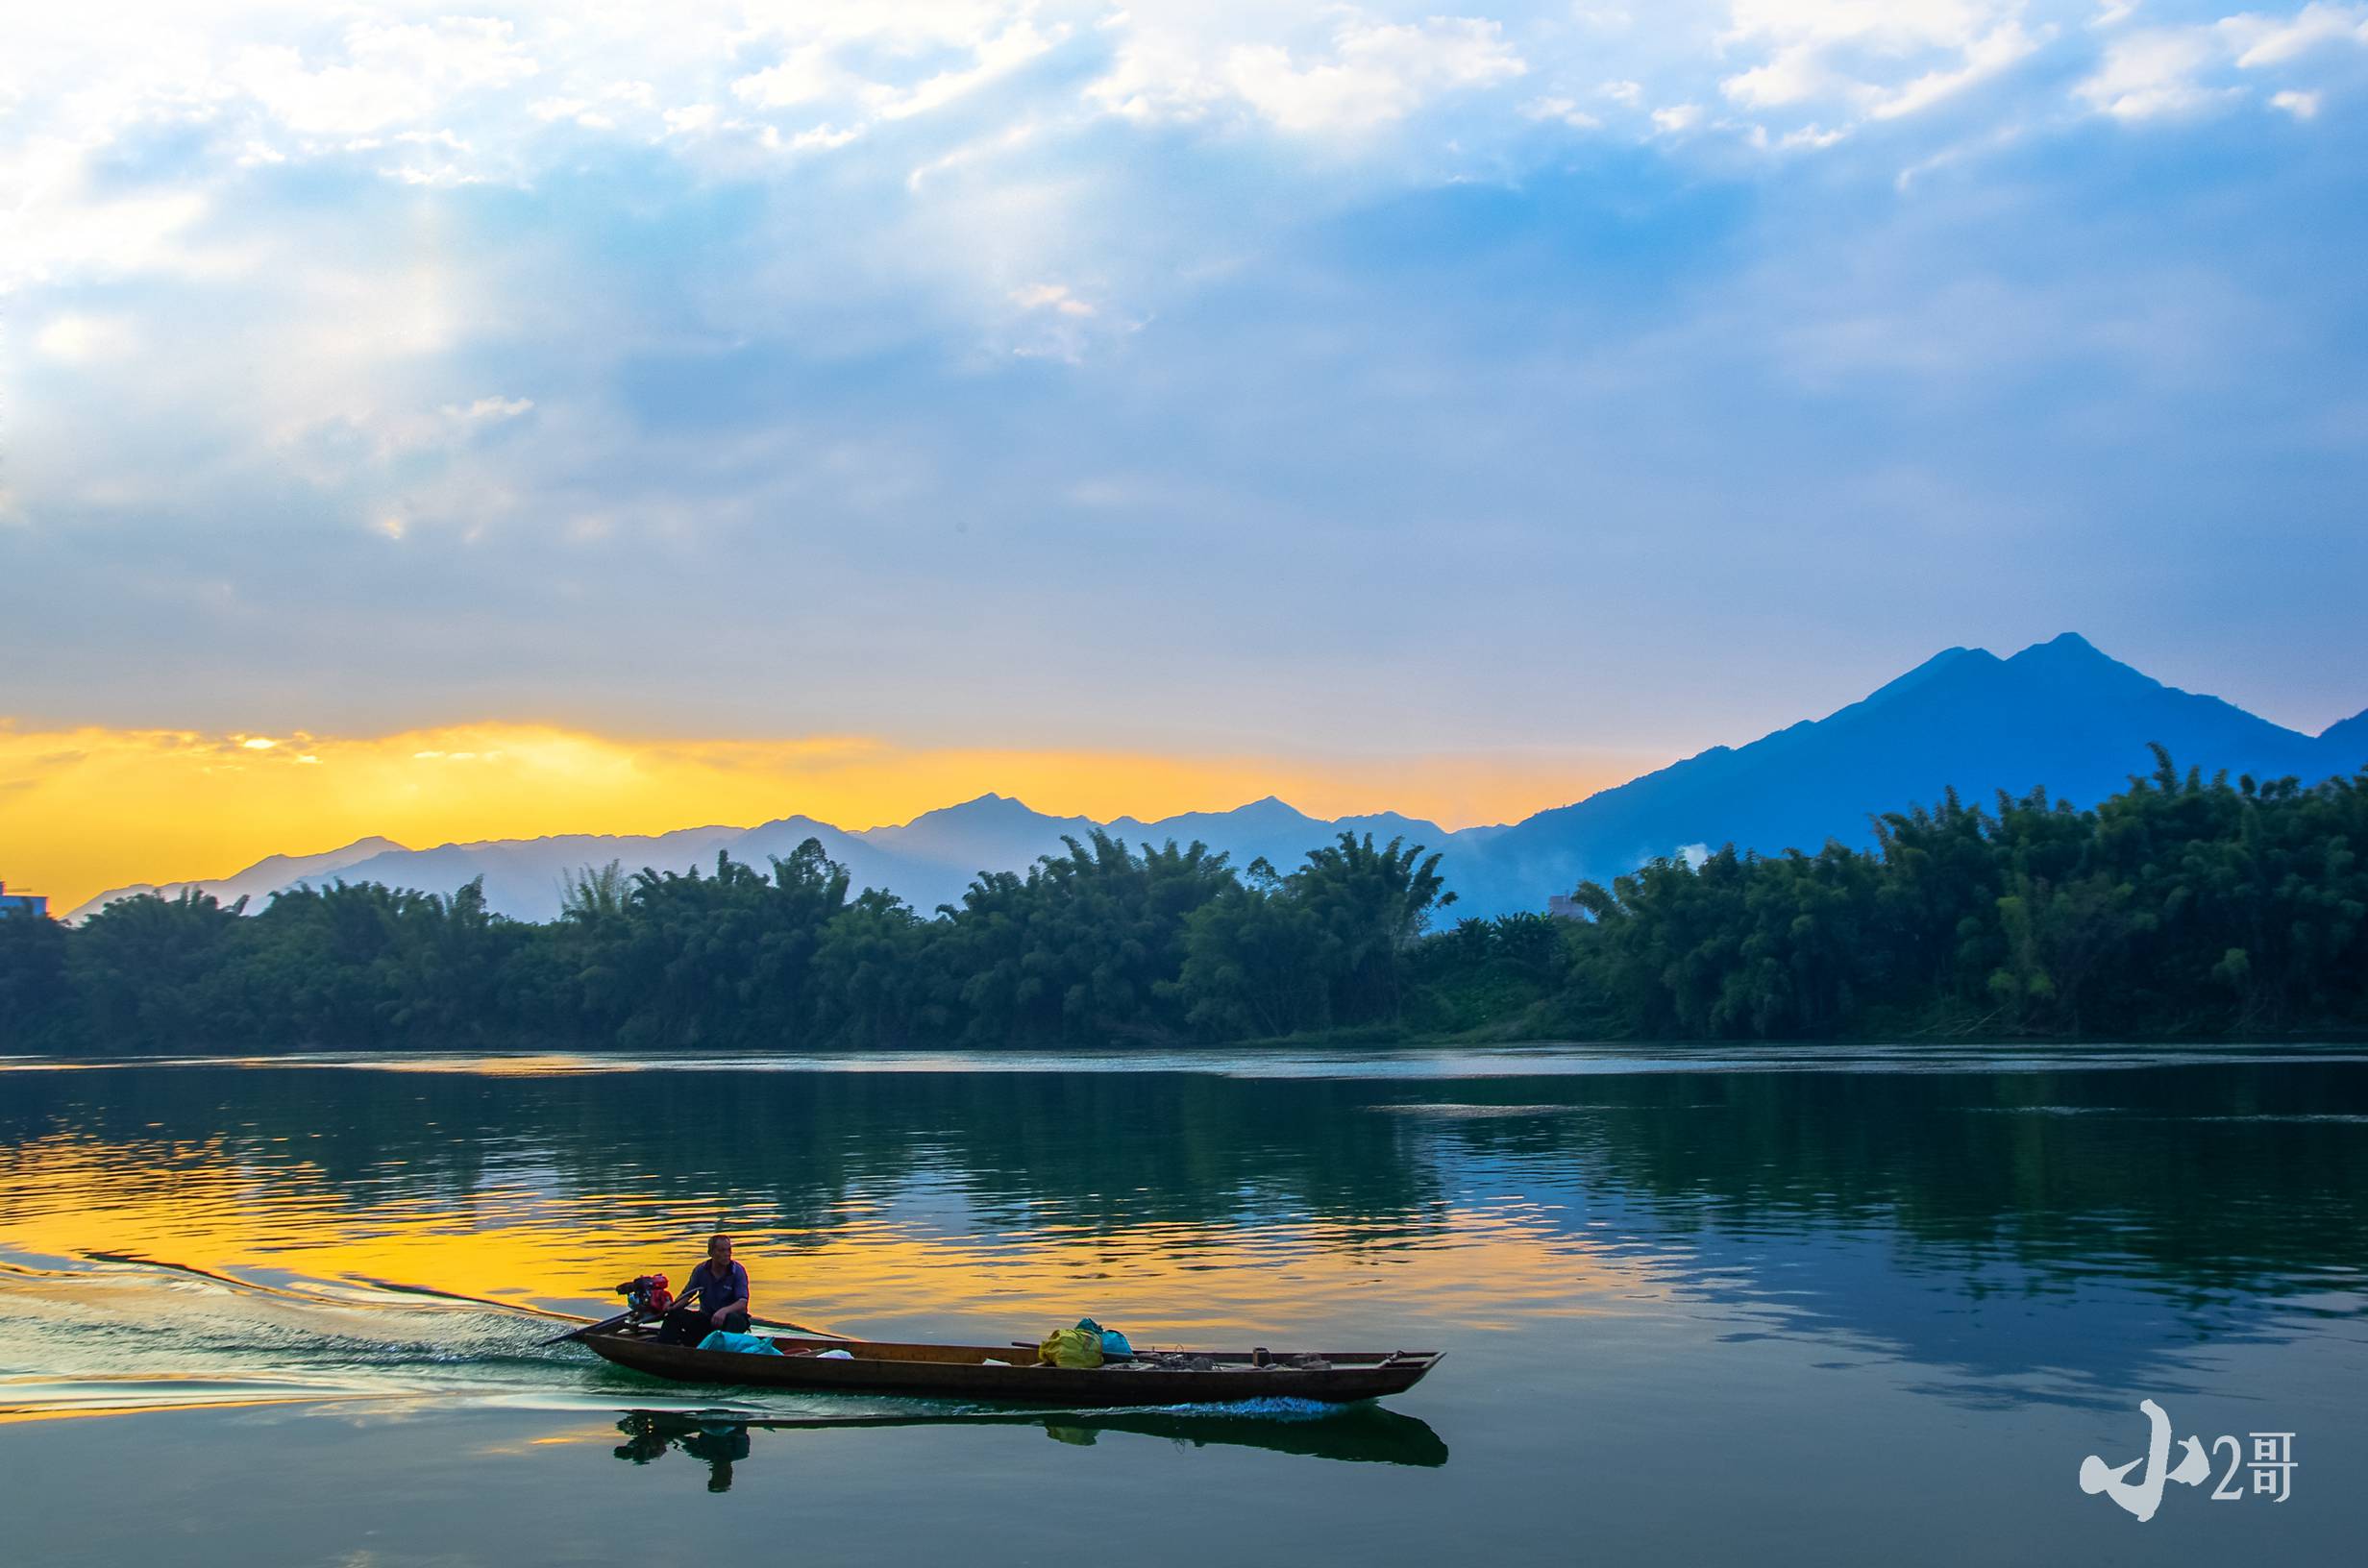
[(891, 1254)]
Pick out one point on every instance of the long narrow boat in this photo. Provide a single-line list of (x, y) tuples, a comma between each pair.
[(1011, 1372)]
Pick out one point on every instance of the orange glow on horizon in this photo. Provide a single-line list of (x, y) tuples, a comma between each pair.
[(86, 810), (269, 1246)]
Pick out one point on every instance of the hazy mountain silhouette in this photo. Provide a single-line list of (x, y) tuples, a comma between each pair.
[(267, 876), (1282, 834), (2058, 714)]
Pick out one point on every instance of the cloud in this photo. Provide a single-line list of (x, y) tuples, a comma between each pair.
[(1371, 74), (388, 75), (789, 338), (2167, 72), (803, 76), (488, 410), (1563, 111), (75, 338), (1856, 52), (1051, 297), (2153, 73), (1992, 54), (995, 57), (2269, 41)]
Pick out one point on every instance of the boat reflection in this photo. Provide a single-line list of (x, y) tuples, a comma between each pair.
[(1361, 1434), (650, 1433)]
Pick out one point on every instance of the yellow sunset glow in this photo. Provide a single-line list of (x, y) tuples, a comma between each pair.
[(85, 810), (84, 1202)]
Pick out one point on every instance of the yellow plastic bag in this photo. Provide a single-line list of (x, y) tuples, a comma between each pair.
[(1071, 1347)]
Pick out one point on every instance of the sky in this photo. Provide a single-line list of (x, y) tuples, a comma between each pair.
[(472, 422)]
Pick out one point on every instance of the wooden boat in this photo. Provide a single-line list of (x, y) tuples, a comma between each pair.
[(1012, 1372)]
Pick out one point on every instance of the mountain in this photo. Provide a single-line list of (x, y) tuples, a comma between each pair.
[(1282, 834), (267, 876), (2347, 737), (2058, 714), (522, 875)]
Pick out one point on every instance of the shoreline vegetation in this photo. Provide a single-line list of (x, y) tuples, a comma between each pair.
[(2180, 909)]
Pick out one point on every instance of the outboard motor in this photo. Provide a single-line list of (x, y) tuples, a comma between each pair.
[(647, 1296)]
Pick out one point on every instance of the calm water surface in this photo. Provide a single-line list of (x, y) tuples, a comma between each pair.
[(1835, 1306)]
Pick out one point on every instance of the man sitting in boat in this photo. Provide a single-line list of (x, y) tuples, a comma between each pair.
[(719, 1288)]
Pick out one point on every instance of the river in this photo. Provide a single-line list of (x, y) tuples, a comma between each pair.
[(1828, 1306)]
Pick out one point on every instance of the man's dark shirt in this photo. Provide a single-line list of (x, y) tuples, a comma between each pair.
[(713, 1292)]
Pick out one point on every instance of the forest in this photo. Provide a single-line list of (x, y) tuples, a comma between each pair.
[(2180, 907)]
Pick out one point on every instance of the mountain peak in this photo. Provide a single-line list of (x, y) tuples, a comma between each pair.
[(2073, 664), (989, 804), (1939, 664), (2066, 647)]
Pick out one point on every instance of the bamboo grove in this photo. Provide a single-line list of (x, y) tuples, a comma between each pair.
[(2179, 908)]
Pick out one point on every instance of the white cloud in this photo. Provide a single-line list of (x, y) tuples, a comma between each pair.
[(995, 57), (1677, 117), (1864, 57), (980, 151), (1372, 74), (2263, 40), (2153, 73), (803, 76), (63, 230), (1987, 56), (387, 75), (79, 339), (813, 139), (1561, 110), (2169, 71), (1794, 74), (488, 410), (1810, 137), (1051, 297)]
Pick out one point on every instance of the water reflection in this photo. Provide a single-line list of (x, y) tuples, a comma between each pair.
[(2016, 1235), (1357, 1434), (650, 1433)]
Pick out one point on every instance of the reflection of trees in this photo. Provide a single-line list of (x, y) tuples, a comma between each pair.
[(1145, 1146), (2072, 1173), (2118, 1179)]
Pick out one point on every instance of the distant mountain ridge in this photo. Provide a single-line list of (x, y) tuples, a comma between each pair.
[(267, 876), (2058, 714)]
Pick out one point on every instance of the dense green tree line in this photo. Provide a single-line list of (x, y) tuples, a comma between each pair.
[(1104, 943), (2177, 907)]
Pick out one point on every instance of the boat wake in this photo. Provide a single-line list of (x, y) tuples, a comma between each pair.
[(118, 1332), (114, 1332)]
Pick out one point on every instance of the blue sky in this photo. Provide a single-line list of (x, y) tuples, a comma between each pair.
[(1356, 381)]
